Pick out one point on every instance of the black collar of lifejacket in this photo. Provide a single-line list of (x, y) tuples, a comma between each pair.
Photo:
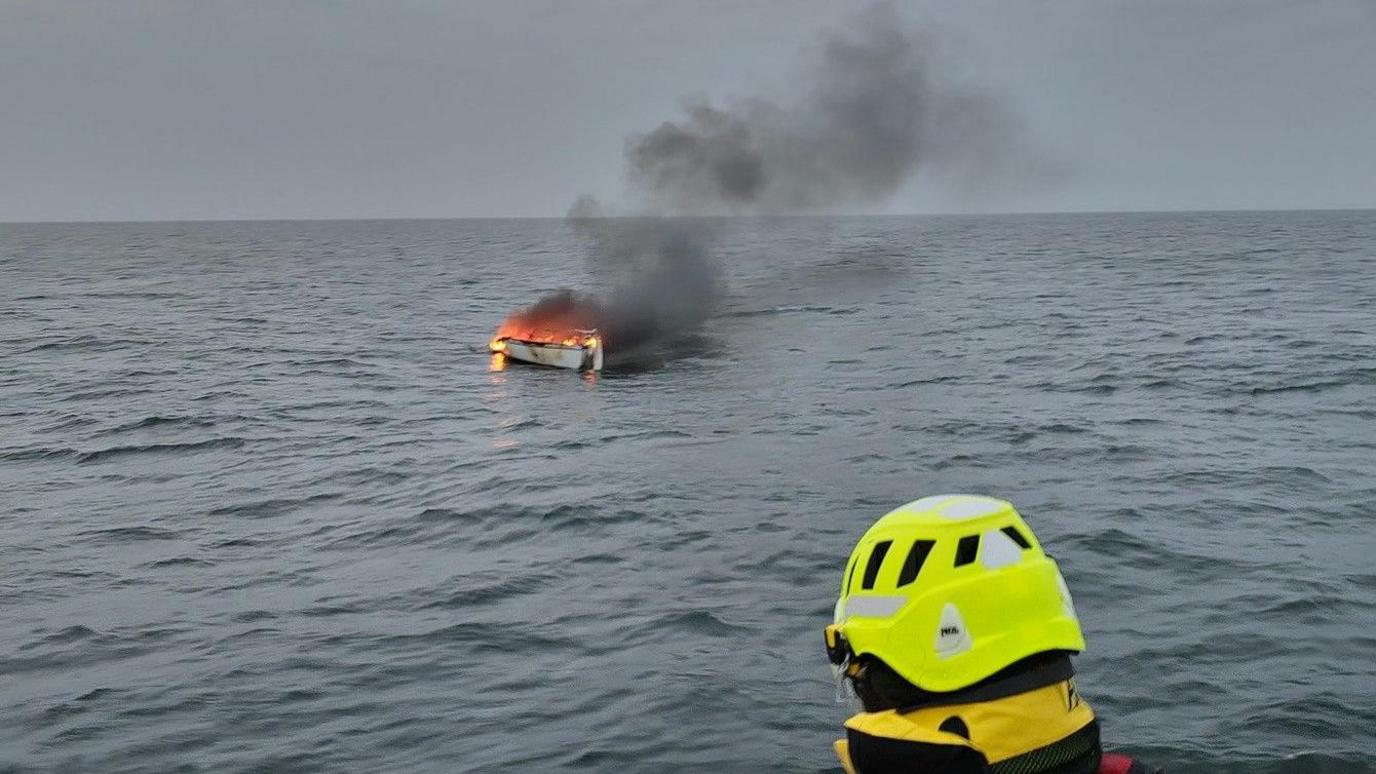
[(1029, 674), (880, 688)]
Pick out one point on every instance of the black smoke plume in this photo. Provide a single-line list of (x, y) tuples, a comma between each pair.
[(869, 116)]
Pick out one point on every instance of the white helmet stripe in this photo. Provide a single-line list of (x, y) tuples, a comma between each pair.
[(874, 606)]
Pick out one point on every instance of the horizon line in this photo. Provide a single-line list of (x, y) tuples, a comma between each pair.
[(951, 214)]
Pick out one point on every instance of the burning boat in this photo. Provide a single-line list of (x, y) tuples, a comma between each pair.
[(560, 331), (582, 352)]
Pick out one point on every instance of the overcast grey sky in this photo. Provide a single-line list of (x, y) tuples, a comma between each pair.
[(157, 109)]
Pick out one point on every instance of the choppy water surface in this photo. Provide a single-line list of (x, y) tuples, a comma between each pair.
[(266, 507)]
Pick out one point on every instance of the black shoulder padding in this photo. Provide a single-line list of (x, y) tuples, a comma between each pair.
[(954, 725), (1078, 753), (877, 755)]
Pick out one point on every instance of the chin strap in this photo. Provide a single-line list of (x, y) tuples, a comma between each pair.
[(844, 664), (838, 649), (840, 653)]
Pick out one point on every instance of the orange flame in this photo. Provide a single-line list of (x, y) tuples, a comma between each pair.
[(562, 318)]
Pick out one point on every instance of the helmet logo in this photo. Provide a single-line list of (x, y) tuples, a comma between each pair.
[(952, 637)]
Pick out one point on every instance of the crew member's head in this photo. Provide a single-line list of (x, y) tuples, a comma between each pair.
[(947, 591)]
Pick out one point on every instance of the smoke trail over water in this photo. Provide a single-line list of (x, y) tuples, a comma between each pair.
[(853, 137), (869, 116)]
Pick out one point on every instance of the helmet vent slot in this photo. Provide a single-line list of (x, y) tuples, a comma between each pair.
[(876, 559), (850, 576), (966, 550), (1017, 536), (913, 564)]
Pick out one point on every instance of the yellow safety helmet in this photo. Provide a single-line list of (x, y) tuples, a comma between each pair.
[(948, 590)]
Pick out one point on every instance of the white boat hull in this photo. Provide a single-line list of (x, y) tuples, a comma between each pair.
[(577, 357)]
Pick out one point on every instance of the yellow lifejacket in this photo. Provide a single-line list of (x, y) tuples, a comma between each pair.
[(1026, 732)]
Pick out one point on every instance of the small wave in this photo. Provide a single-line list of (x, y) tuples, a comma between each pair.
[(218, 395), (470, 593), (1093, 387), (77, 706), (95, 693), (177, 561), (1124, 452), (1317, 386), (1293, 474), (39, 453), (567, 514), (961, 460), (328, 611), (391, 535), (917, 382), (1362, 580), (643, 435), (83, 647), (101, 394), (747, 313), (699, 622), (63, 636), (445, 514), (263, 509), (157, 421), (241, 542), (230, 442), (1314, 610), (79, 343), (476, 638), (599, 559), (146, 711), (137, 295), (1192, 478), (132, 533), (1062, 428), (342, 362)]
